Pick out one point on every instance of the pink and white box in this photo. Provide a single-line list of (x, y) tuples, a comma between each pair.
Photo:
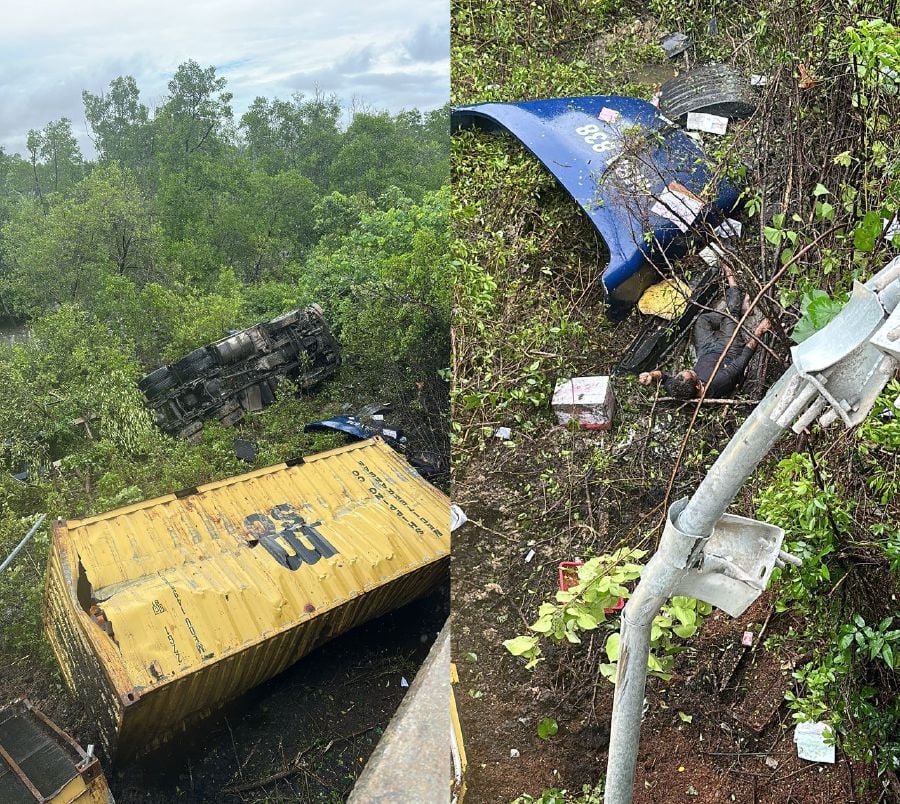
[(589, 400)]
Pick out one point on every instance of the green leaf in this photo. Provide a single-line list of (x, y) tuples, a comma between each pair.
[(685, 718), (520, 645), (820, 189), (867, 231), (612, 647), (547, 728)]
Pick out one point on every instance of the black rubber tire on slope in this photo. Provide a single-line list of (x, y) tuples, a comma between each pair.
[(712, 89)]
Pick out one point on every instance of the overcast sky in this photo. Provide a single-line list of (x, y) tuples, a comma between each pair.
[(390, 54)]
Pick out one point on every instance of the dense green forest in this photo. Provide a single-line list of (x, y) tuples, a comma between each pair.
[(190, 222)]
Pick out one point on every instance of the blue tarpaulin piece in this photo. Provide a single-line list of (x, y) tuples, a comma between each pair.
[(616, 157)]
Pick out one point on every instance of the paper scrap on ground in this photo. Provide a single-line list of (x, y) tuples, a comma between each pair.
[(608, 115), (458, 517), (678, 205), (503, 433), (810, 739), (710, 255), (729, 228), (758, 80), (747, 639), (710, 123), (529, 556)]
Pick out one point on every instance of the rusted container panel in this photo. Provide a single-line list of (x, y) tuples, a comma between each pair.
[(163, 610), (41, 763)]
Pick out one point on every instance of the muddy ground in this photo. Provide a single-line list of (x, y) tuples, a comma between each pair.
[(568, 495), (323, 717), (738, 743)]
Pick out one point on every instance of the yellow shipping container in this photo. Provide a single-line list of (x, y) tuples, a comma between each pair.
[(39, 762), (163, 610)]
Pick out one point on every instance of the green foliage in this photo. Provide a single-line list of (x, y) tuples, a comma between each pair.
[(817, 308), (601, 582), (590, 794), (547, 728)]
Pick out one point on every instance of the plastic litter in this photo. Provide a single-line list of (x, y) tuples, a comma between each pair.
[(403, 681), (458, 517), (710, 123), (675, 44), (503, 433), (529, 556), (811, 745), (729, 228), (667, 299)]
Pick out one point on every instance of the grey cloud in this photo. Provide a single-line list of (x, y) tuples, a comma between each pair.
[(428, 43), (384, 54)]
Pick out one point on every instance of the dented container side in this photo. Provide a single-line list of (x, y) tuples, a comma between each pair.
[(149, 721), (187, 601), (83, 668)]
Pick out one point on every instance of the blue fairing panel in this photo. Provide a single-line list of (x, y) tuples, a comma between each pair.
[(615, 172), (346, 424)]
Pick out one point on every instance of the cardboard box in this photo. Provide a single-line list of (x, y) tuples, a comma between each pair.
[(590, 400)]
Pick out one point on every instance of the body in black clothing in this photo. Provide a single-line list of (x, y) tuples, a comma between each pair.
[(712, 331)]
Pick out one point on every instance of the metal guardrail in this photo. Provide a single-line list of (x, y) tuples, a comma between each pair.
[(412, 761)]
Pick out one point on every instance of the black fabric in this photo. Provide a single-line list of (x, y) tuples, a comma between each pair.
[(712, 331)]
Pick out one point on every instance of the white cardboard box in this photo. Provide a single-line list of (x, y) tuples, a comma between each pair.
[(590, 400)]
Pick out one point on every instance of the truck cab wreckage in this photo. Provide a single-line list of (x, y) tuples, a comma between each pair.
[(239, 374)]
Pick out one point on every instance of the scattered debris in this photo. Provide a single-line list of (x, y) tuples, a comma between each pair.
[(711, 255), (588, 400), (613, 184), (714, 89), (771, 762), (528, 556), (245, 450), (458, 517), (514, 753), (667, 299), (403, 681), (503, 433), (710, 123), (747, 639), (679, 205), (759, 80), (608, 115), (659, 337), (729, 228), (674, 44), (811, 745)]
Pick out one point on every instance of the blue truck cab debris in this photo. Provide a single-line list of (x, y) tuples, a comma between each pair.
[(645, 185)]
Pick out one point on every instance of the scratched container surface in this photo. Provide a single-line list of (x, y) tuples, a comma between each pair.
[(161, 611), (40, 762)]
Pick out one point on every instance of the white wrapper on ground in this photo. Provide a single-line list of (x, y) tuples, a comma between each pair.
[(710, 123), (458, 517), (729, 228), (810, 739)]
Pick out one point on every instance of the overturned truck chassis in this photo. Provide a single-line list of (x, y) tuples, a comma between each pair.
[(239, 374)]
